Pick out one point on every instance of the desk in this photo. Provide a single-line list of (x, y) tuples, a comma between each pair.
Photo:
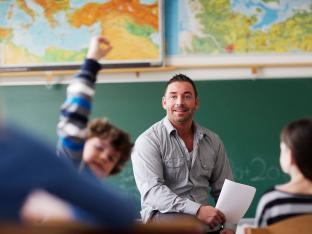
[(179, 226)]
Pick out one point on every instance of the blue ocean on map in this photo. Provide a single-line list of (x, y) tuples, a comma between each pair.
[(58, 37), (171, 25), (268, 13), (27, 37)]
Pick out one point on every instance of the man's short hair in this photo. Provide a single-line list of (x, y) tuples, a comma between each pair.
[(182, 78)]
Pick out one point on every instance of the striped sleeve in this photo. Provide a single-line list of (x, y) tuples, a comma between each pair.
[(75, 111)]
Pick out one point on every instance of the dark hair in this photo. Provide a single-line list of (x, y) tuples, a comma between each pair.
[(297, 135), (119, 139), (181, 78)]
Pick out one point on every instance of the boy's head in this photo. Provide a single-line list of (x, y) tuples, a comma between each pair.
[(107, 148), (296, 138)]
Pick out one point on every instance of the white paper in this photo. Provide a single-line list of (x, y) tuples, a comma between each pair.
[(234, 200)]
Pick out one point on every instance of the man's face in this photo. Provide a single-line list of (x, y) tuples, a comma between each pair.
[(100, 156), (180, 102)]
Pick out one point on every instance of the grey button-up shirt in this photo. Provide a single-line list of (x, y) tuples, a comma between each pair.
[(166, 180)]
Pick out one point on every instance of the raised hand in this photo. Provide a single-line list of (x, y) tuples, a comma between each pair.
[(99, 47)]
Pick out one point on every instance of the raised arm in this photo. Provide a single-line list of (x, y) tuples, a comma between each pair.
[(75, 111)]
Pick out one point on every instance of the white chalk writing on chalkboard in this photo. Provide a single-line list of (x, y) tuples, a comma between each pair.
[(257, 170)]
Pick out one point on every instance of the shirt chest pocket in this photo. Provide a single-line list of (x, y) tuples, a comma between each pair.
[(174, 162), (207, 162), (175, 170)]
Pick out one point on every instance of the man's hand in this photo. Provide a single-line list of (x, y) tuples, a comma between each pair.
[(98, 48), (210, 216)]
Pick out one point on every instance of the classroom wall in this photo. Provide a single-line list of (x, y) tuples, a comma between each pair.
[(247, 114)]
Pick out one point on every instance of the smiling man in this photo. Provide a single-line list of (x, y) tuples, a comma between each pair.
[(175, 162)]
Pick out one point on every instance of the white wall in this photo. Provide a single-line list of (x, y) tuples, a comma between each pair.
[(199, 72)]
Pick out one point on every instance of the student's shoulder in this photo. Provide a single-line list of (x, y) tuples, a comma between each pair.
[(20, 135), (23, 141), (265, 198), (269, 195)]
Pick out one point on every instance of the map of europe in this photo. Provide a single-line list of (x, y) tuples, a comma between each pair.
[(239, 27), (45, 32)]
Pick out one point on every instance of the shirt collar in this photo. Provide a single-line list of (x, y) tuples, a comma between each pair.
[(168, 125), (199, 131)]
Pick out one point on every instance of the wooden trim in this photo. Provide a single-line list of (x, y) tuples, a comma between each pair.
[(253, 67)]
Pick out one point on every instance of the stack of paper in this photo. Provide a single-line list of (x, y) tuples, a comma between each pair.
[(234, 200)]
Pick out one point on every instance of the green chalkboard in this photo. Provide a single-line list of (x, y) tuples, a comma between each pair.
[(247, 114)]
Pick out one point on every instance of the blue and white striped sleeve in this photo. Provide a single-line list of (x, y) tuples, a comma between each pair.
[(75, 111)]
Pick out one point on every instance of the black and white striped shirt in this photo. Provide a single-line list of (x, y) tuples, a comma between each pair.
[(276, 205)]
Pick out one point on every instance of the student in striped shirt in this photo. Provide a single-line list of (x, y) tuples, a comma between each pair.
[(97, 148), (295, 197)]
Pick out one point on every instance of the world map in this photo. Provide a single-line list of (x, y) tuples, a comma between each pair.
[(236, 27), (44, 32)]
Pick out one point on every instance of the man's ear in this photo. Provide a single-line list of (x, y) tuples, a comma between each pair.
[(196, 103), (164, 102)]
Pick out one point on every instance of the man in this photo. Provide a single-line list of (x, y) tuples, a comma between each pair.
[(175, 162)]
